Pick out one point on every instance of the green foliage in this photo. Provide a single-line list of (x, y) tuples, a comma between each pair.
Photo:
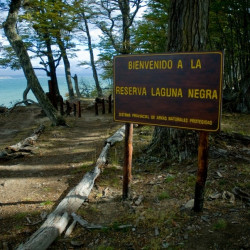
[(105, 248), (163, 195), (150, 34), (229, 31), (46, 203), (8, 58), (220, 224)]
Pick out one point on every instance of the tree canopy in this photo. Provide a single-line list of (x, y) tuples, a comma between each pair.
[(50, 28)]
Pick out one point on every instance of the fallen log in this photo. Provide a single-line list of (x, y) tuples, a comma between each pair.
[(116, 137), (85, 224), (53, 227), (91, 226), (22, 146), (27, 141)]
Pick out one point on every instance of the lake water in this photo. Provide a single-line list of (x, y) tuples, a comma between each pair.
[(11, 88)]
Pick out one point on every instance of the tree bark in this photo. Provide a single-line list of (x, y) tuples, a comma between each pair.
[(75, 78), (51, 61), (21, 52), (125, 10), (188, 21), (25, 93), (92, 60), (66, 67)]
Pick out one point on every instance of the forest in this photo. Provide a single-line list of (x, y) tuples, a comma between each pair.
[(65, 176)]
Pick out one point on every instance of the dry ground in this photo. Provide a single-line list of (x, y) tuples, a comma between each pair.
[(30, 187)]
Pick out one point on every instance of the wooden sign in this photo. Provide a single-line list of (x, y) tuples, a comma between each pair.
[(181, 90)]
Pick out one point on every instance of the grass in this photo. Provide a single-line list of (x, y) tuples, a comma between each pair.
[(83, 169), (20, 216), (163, 195), (220, 224), (46, 203), (169, 178), (105, 248)]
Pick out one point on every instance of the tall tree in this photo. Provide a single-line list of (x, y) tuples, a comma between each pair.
[(63, 23), (21, 52), (85, 14), (154, 20), (116, 18), (53, 22), (187, 31), (229, 27)]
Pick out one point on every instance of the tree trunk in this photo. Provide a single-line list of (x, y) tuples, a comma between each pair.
[(75, 78), (188, 21), (66, 67), (21, 52), (52, 66), (25, 93), (92, 60), (125, 10)]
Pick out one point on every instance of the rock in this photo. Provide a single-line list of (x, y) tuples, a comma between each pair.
[(228, 196), (165, 245), (205, 218), (105, 191), (157, 231), (3, 109), (185, 236), (43, 215), (77, 243), (214, 196), (5, 245), (189, 205), (241, 194), (139, 200), (219, 174)]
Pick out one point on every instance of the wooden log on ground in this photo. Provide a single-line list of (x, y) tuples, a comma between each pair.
[(22, 146), (57, 221), (27, 141), (118, 136)]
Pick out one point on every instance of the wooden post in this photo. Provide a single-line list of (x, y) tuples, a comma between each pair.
[(74, 108), (96, 108), (127, 167), (61, 107), (52, 94), (103, 106), (68, 108), (79, 109), (202, 172), (110, 104)]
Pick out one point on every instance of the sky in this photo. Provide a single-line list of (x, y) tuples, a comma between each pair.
[(82, 54)]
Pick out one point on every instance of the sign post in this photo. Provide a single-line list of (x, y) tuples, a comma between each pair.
[(127, 167), (178, 90), (202, 171)]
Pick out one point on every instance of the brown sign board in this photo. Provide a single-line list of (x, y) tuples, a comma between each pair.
[(180, 90)]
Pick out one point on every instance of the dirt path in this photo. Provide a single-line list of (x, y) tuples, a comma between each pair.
[(33, 184)]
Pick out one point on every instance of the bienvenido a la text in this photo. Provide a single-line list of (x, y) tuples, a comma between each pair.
[(140, 90)]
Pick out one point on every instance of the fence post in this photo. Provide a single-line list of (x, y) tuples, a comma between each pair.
[(68, 108), (74, 108), (96, 108), (61, 107), (110, 103), (103, 106), (79, 109)]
